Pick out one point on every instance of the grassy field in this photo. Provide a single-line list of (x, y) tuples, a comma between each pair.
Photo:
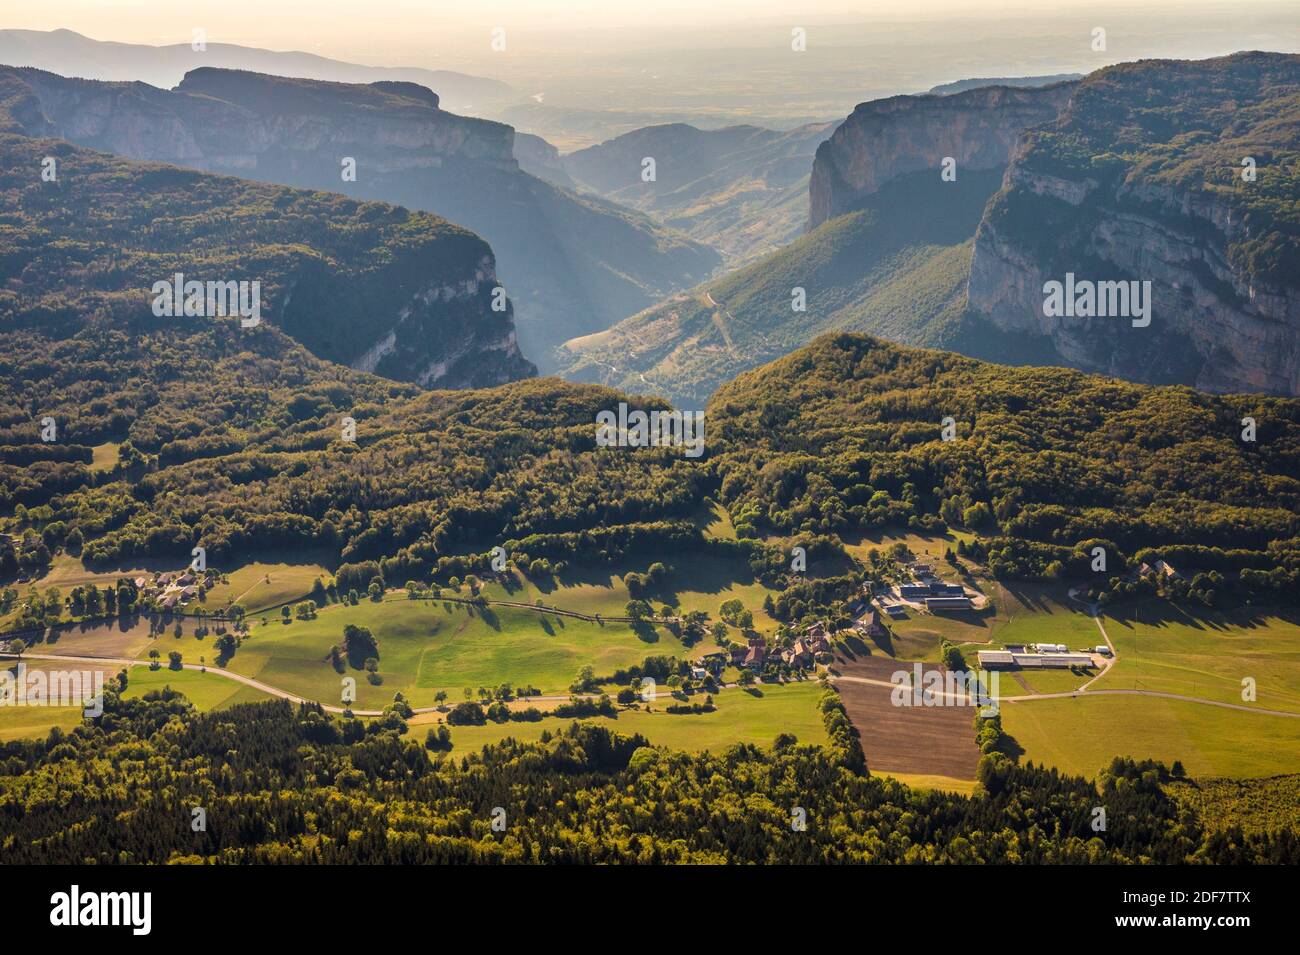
[(924, 546), (432, 646), (941, 783), (1257, 805), (265, 584), (33, 722), (1081, 735), (716, 522), (249, 585), (697, 583), (741, 717), (1045, 681), (207, 691), (1179, 649), (427, 646), (1167, 648), (104, 457)]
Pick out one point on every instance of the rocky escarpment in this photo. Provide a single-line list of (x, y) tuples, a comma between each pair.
[(1141, 180), (444, 334), (884, 139), (401, 293), (245, 123), (572, 264)]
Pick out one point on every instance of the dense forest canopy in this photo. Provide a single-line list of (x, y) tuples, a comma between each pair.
[(844, 435), (280, 784), (849, 433)]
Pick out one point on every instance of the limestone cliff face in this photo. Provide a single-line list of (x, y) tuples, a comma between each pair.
[(887, 138), (573, 264), (425, 309), (447, 336), (236, 122), (1218, 251)]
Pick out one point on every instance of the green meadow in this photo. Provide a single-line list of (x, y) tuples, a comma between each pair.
[(207, 691), (430, 646), (1176, 648), (697, 582), (742, 716), (1082, 734), (265, 584)]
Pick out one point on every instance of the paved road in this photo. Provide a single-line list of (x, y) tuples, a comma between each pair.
[(1071, 694), (1094, 613)]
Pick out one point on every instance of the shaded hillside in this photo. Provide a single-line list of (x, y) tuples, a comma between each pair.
[(570, 264), (889, 251), (897, 267), (405, 294), (1141, 179), (539, 158), (886, 138), (740, 189)]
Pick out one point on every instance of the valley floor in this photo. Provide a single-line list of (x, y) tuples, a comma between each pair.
[(440, 652)]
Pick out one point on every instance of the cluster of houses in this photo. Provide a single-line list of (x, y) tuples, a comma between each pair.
[(802, 653), (927, 588), (170, 590)]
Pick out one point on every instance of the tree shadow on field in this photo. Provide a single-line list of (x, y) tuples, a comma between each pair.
[(490, 617), (1156, 613), (546, 625), (854, 646), (1032, 599), (1010, 747)]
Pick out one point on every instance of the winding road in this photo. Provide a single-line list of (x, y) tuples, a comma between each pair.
[(1084, 690), (275, 691)]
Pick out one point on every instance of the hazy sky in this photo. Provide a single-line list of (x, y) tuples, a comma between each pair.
[(380, 29)]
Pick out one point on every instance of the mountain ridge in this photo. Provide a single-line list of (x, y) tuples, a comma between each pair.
[(69, 53), (570, 264)]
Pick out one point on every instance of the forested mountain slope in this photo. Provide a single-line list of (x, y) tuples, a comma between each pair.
[(887, 253), (570, 264), (1054, 456), (368, 284), (895, 267), (842, 436)]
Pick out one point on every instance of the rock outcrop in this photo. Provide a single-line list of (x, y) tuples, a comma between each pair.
[(1171, 206), (571, 264), (244, 123), (887, 138), (404, 294)]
